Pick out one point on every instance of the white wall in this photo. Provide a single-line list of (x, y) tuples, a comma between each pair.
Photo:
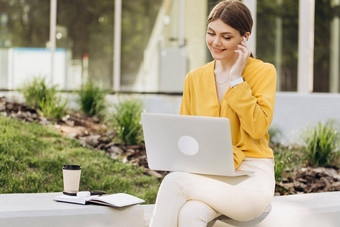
[(294, 112), (27, 63), (20, 65), (3, 68)]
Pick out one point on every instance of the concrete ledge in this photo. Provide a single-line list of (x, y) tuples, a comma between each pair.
[(40, 210), (315, 209)]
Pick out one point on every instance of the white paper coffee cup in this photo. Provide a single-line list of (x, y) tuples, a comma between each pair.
[(71, 177)]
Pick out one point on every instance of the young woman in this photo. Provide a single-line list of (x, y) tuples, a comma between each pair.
[(241, 88)]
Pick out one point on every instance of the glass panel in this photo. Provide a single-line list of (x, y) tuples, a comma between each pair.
[(23, 24), (84, 38), (325, 31), (277, 39), (138, 19), (86, 29)]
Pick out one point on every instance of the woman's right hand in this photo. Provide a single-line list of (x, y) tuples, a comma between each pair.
[(243, 53)]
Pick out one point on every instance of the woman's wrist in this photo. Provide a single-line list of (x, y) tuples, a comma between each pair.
[(236, 81)]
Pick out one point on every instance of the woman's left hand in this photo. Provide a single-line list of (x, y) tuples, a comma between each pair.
[(243, 54)]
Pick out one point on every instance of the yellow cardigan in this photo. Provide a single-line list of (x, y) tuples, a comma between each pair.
[(249, 106)]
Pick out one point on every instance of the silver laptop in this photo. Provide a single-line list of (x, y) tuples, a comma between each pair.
[(191, 144)]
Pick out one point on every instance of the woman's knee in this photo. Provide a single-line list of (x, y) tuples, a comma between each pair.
[(250, 209), (196, 213), (175, 177)]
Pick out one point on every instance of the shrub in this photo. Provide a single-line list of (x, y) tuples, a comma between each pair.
[(44, 98), (52, 107), (283, 157), (92, 99), (127, 121), (321, 144), (36, 91)]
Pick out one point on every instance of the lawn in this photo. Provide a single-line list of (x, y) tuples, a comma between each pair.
[(32, 156)]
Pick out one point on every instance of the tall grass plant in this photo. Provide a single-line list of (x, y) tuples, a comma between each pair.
[(36, 90), (322, 144), (126, 121), (283, 157), (45, 98), (92, 99)]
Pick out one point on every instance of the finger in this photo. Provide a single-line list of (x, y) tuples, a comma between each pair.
[(244, 43), (243, 53), (245, 50), (241, 47)]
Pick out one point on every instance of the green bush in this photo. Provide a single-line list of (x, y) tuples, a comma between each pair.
[(127, 121), (36, 91), (283, 157), (92, 99), (322, 144), (52, 107), (44, 98)]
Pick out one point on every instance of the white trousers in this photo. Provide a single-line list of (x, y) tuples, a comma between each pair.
[(187, 200)]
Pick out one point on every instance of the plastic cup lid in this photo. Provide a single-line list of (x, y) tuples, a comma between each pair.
[(72, 167)]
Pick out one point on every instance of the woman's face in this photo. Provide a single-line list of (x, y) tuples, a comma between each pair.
[(222, 40)]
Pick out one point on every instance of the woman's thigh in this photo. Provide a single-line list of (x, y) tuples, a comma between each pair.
[(241, 198)]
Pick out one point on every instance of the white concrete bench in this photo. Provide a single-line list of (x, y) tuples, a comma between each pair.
[(316, 209), (306, 210)]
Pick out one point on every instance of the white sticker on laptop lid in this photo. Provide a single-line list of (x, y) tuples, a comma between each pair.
[(188, 145)]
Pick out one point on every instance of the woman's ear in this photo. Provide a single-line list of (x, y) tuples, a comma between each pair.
[(247, 35)]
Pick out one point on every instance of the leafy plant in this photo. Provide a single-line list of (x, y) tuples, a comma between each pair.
[(283, 157), (52, 107), (126, 121), (92, 99), (321, 144), (44, 98), (36, 91)]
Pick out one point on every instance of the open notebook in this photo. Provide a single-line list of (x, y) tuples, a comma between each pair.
[(113, 200)]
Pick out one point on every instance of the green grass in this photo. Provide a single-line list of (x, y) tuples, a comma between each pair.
[(32, 156)]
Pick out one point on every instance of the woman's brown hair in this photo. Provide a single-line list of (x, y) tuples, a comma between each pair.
[(234, 13)]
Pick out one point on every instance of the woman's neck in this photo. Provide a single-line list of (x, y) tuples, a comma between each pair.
[(225, 64)]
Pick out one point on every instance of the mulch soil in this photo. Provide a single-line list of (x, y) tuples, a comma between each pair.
[(94, 133)]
